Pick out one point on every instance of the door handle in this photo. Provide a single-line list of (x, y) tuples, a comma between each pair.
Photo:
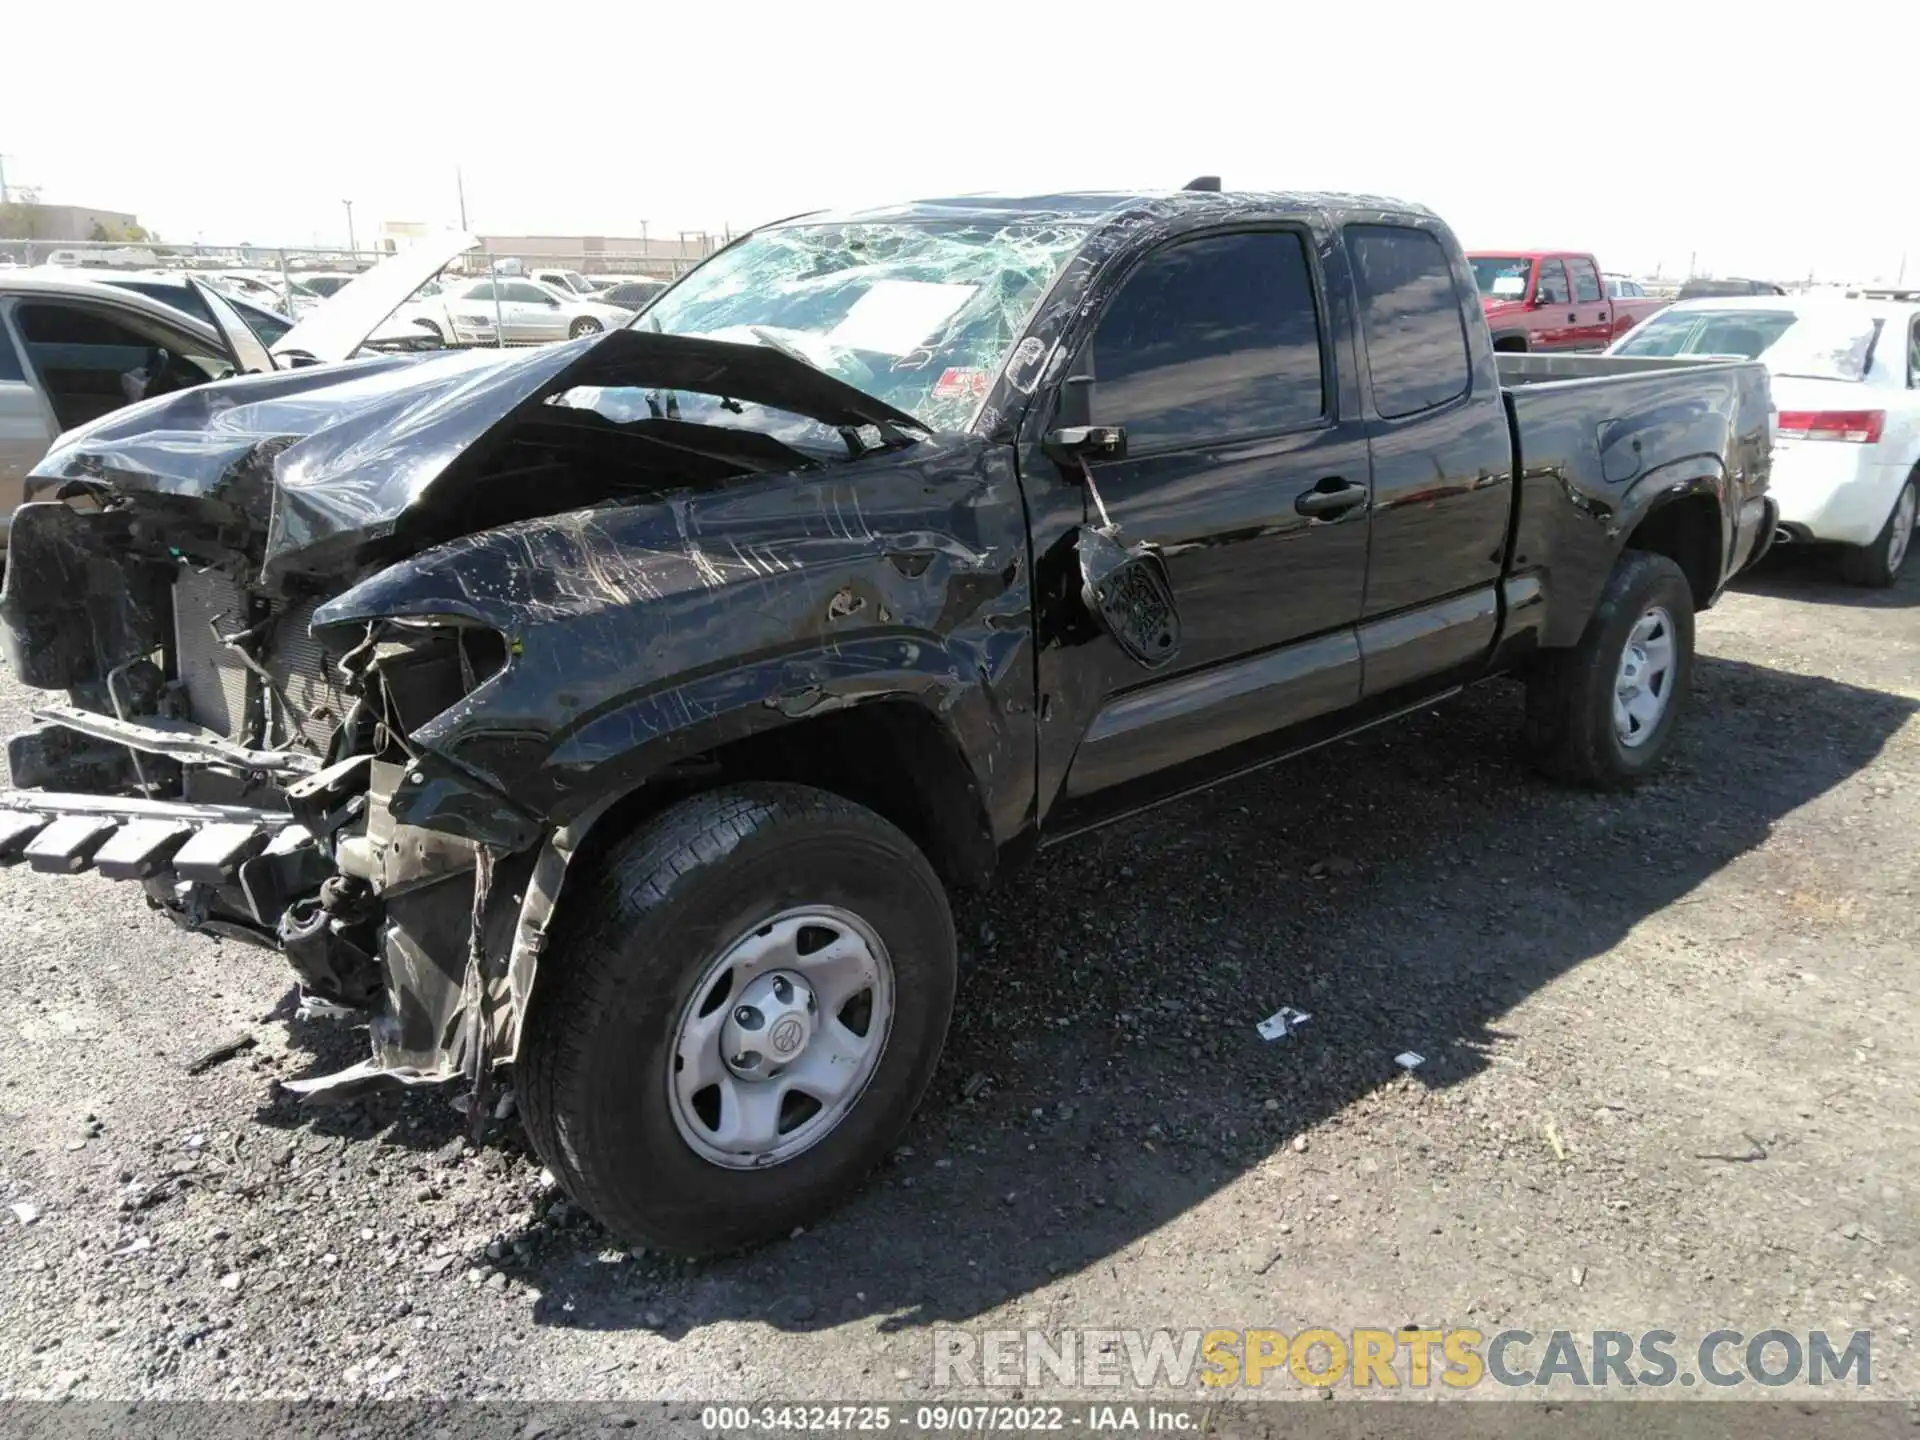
[(1331, 497), (1573, 319)]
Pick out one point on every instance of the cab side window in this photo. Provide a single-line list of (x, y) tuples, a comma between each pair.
[(1413, 319), (1586, 281), (1211, 339)]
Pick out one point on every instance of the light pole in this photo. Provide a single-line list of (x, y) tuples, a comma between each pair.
[(352, 249)]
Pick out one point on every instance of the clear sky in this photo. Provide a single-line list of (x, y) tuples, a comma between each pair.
[(1768, 138)]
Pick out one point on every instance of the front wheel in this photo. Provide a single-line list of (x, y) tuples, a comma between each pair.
[(739, 1017), (1878, 565), (1603, 713), (585, 325)]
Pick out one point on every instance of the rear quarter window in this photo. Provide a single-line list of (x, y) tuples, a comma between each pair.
[(1412, 317)]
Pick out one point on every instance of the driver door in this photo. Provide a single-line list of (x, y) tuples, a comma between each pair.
[(1226, 357), (27, 426), (90, 358)]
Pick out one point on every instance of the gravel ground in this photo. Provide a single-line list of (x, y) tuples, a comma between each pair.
[(1670, 1083)]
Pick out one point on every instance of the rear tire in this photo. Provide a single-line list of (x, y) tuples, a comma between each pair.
[(585, 325), (632, 968), (1578, 728), (1878, 565)]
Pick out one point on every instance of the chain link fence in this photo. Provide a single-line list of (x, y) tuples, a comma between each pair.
[(294, 279), (661, 258)]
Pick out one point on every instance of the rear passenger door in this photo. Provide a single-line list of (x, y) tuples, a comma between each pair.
[(1442, 463), (1250, 474), (1554, 315), (1593, 312)]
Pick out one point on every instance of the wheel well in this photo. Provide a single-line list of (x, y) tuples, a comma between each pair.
[(1511, 344), (1687, 532), (891, 756)]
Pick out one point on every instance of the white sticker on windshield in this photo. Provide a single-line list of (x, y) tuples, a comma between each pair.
[(895, 317)]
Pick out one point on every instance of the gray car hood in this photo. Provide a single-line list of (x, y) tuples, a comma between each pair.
[(319, 462)]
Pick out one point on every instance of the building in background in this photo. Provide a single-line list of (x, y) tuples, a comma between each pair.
[(664, 256), (32, 221), (30, 232)]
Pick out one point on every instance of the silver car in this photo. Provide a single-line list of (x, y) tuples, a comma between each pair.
[(525, 312), (74, 348)]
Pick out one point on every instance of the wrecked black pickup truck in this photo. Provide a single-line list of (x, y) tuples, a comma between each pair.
[(623, 710)]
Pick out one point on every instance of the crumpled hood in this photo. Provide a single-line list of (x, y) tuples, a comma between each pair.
[(326, 459)]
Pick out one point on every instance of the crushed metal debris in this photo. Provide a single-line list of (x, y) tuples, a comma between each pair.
[(1282, 1023)]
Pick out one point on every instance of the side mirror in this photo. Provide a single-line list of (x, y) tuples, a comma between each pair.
[(1130, 596), (1072, 444)]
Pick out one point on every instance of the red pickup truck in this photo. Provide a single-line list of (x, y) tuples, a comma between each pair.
[(1552, 300)]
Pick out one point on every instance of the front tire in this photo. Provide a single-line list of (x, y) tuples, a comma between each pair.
[(585, 325), (1878, 565), (1603, 713), (738, 1018)]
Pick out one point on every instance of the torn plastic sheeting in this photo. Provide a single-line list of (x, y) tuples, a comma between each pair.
[(1282, 1023), (1409, 1060)]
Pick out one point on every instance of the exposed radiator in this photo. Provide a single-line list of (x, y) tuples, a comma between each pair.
[(215, 678), (305, 674), (218, 682)]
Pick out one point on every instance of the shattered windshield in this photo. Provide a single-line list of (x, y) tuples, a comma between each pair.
[(920, 315)]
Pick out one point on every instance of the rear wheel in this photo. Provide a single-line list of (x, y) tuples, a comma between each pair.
[(585, 325), (739, 1018), (1878, 565), (1603, 713)]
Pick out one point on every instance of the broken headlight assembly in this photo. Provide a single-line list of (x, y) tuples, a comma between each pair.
[(411, 672), (413, 668)]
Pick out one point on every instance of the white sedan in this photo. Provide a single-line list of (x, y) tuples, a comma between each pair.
[(1846, 385), (520, 312)]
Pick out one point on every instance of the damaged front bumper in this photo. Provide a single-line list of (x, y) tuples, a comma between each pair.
[(433, 936)]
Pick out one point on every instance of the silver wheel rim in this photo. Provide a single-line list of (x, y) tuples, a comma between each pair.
[(1902, 533), (1644, 683), (780, 1038)]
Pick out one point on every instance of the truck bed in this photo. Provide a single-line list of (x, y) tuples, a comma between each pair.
[(1607, 430)]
